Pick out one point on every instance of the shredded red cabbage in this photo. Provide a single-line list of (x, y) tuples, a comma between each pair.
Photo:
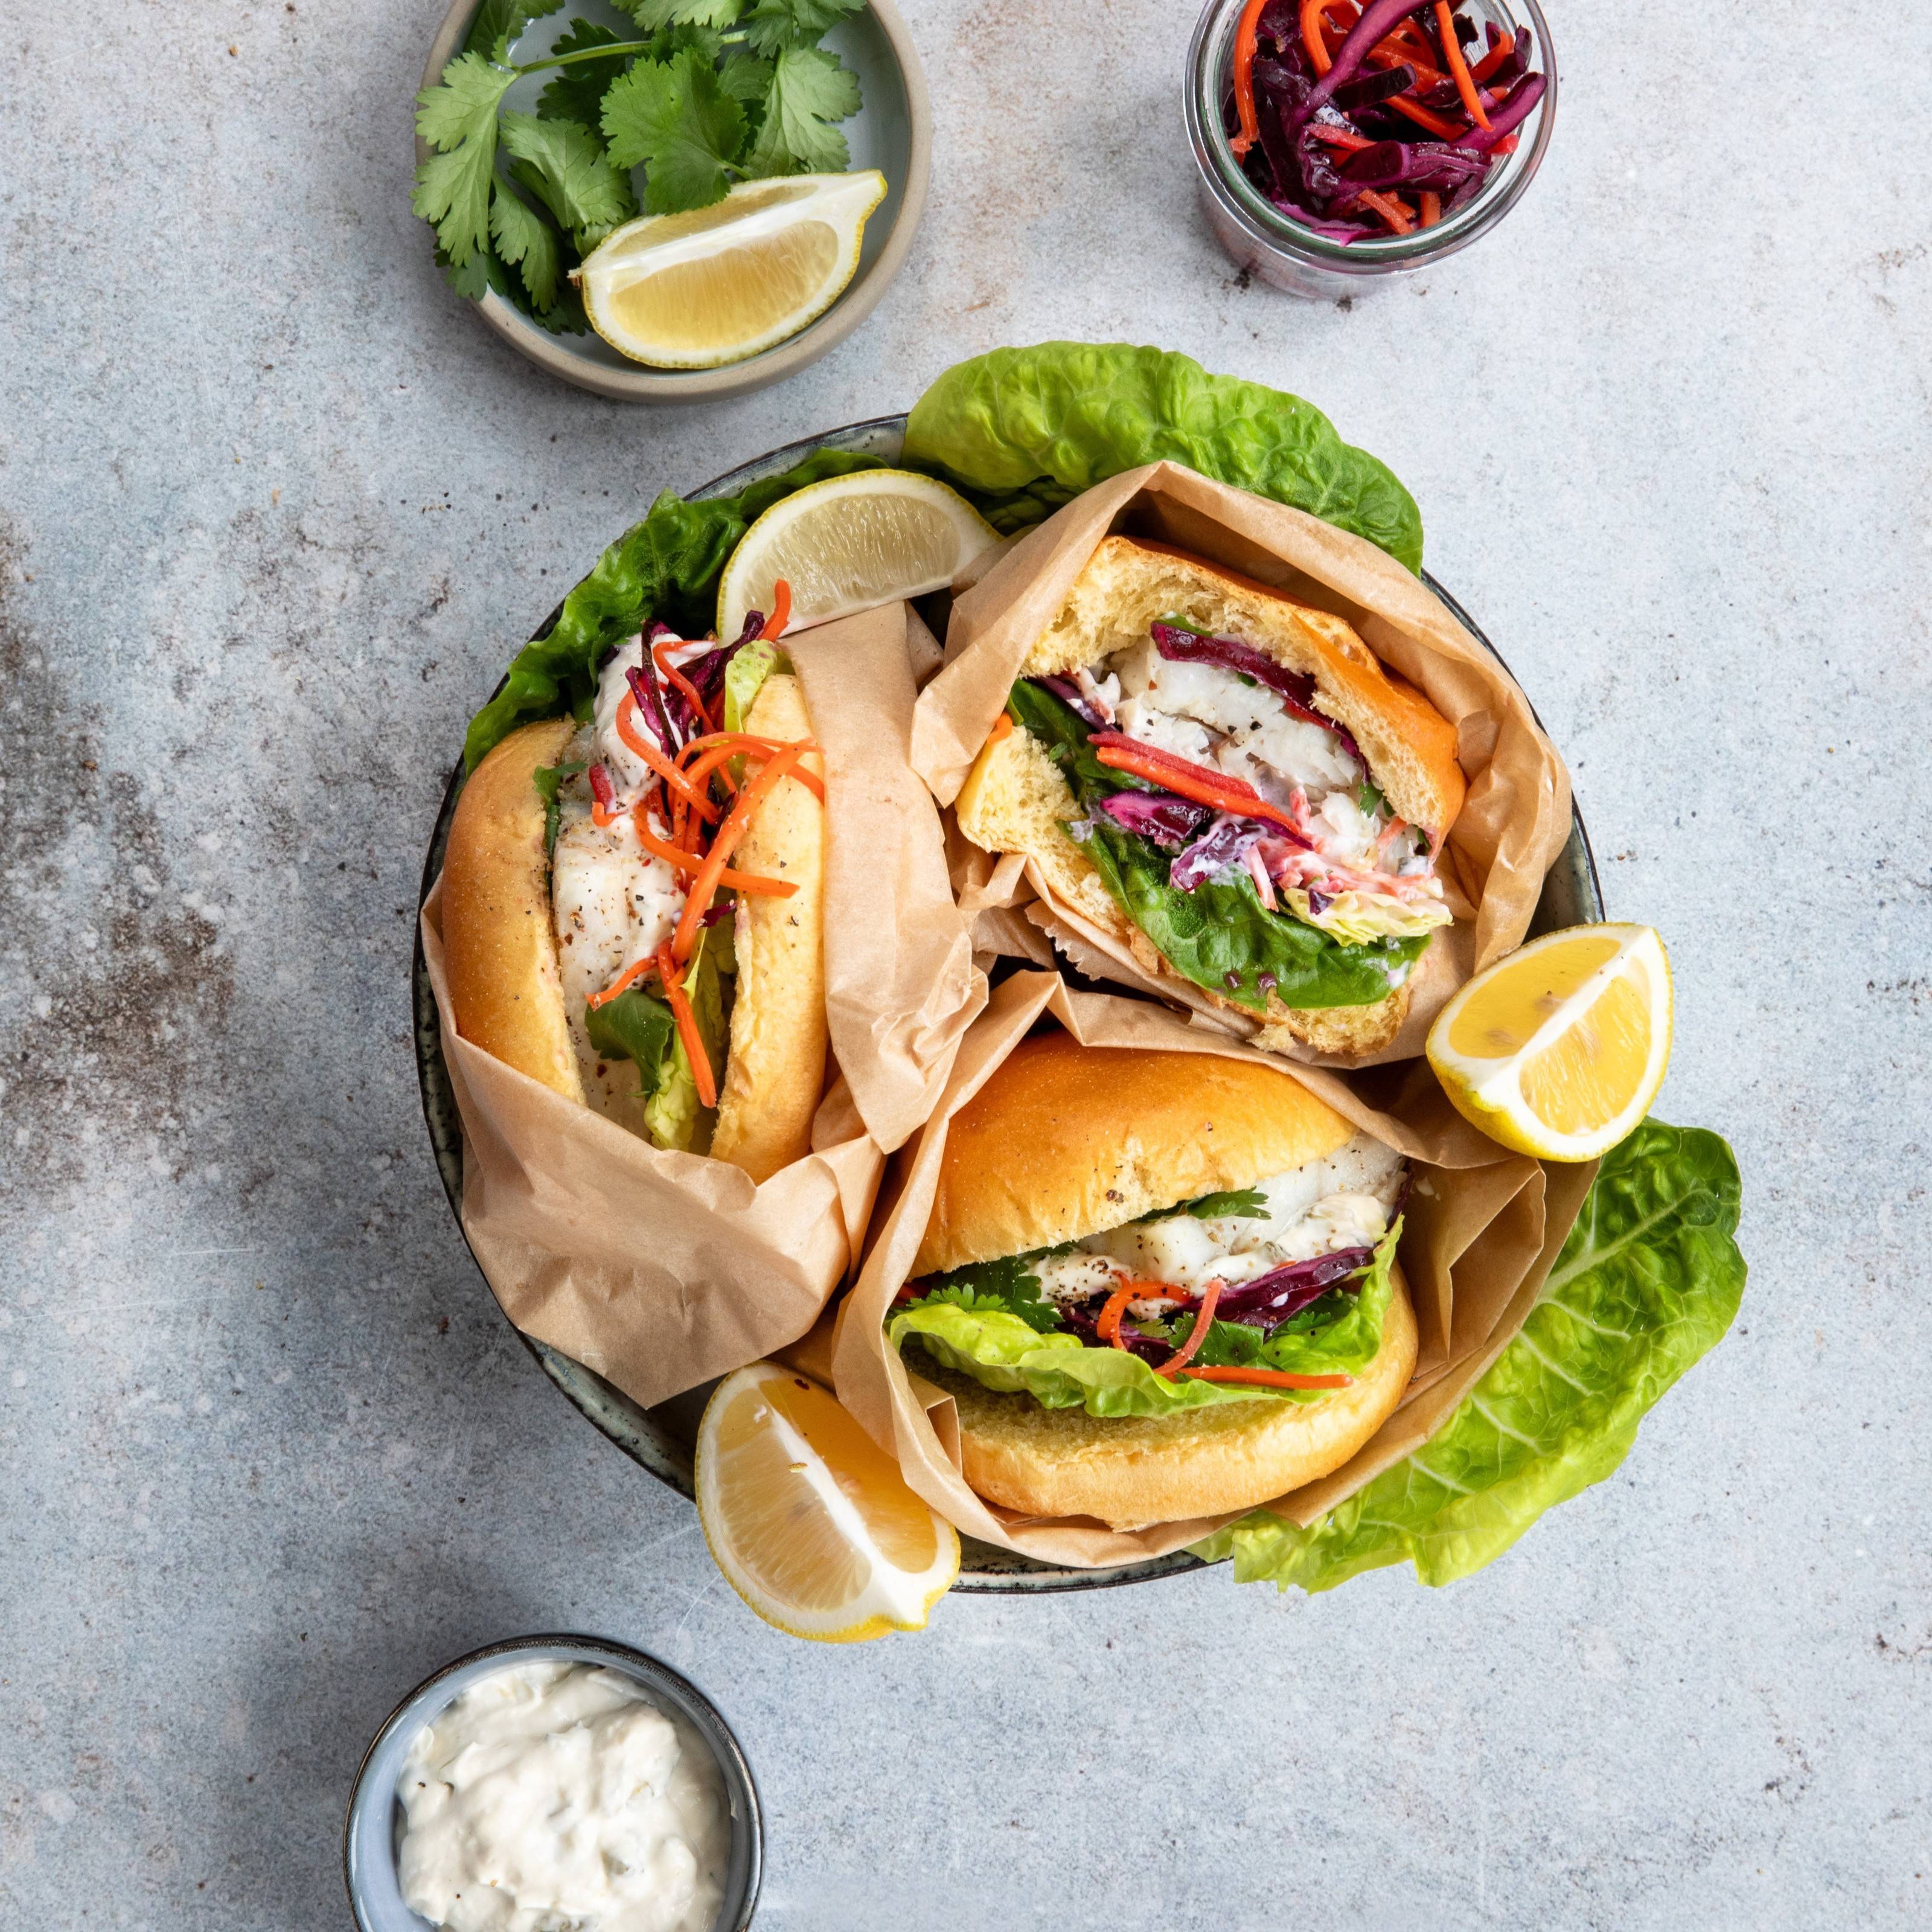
[(1069, 694), (1168, 821), (1225, 845), (1282, 1293), (1086, 1325)]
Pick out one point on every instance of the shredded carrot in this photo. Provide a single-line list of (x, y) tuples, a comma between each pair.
[(1002, 729), (683, 683), (774, 625), (1245, 46), (642, 746), (1494, 59), (1180, 778), (1432, 207), (636, 969), (1391, 210), (716, 759), (1338, 137), (604, 815), (1267, 1378), (1108, 1327), (1312, 37), (1507, 145), (687, 1029), (675, 855), (1422, 117), (737, 821), (1390, 55), (1452, 51), (1210, 1297)]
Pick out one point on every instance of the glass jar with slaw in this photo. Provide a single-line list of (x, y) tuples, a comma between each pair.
[(1390, 231)]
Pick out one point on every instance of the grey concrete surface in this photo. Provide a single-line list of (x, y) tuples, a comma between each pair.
[(274, 509)]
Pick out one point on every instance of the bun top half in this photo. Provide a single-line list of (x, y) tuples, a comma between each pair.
[(1127, 585), (1065, 1140)]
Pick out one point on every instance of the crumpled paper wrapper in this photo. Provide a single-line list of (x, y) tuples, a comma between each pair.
[(661, 1271), (1483, 1228), (1512, 825)]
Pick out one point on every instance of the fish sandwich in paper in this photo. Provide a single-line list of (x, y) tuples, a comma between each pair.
[(1156, 1286), (1232, 786), (633, 905)]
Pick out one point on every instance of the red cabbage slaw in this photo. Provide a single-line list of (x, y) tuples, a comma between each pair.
[(1360, 122)]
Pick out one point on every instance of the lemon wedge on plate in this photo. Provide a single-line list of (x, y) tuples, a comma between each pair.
[(851, 542), (810, 1522), (720, 283), (1558, 1050)]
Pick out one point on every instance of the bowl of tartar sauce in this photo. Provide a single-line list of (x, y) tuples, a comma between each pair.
[(554, 1782)]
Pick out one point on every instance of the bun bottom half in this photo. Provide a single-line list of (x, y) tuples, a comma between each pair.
[(1130, 1470)]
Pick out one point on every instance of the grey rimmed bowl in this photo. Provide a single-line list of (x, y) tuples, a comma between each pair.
[(661, 1438), (372, 1831), (892, 132)]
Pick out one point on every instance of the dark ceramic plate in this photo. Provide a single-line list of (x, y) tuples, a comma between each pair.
[(661, 1438)]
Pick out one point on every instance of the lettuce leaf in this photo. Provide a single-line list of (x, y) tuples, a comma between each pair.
[(745, 677), (1649, 1280), (666, 567), (1022, 431), (1004, 1352), (674, 1114), (1220, 928)]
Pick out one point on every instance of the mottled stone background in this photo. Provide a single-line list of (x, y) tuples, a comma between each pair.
[(273, 510)]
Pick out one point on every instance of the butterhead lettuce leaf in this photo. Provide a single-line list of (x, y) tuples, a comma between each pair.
[(1649, 1279)]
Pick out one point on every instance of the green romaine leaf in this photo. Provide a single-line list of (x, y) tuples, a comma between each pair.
[(992, 1345), (548, 780), (675, 119), (566, 166), (745, 677), (809, 91), (1649, 1280), (674, 1114), (666, 566), (458, 118), (774, 25), (1024, 430), (1221, 928), (639, 1028), (653, 14), (499, 24), (576, 93)]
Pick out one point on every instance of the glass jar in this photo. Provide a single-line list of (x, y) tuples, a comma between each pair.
[(1262, 241)]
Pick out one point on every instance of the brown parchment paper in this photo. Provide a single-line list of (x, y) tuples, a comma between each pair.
[(1483, 1226), (661, 1269), (1513, 824)]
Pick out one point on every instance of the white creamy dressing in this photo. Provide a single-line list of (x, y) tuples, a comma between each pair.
[(1344, 1201), (611, 902), (552, 1798)]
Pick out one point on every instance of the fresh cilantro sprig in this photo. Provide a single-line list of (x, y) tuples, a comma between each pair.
[(1249, 1202), (1008, 1286), (719, 92)]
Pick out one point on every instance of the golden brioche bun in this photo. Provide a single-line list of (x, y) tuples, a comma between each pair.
[(1015, 800), (1134, 1469), (1065, 1140), (499, 939)]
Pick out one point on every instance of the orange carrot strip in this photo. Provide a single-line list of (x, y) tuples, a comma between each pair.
[(637, 742), (755, 883), (1210, 1296), (1108, 1327), (1002, 729), (737, 821), (715, 759), (636, 969), (1267, 1378), (1312, 37), (1494, 59), (774, 625), (1432, 207), (1446, 131), (1338, 137), (1391, 210), (687, 1029), (1452, 51), (1426, 73), (1245, 46), (1201, 791), (683, 683)]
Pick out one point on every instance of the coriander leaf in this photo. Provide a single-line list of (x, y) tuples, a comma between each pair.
[(653, 14), (472, 279), (636, 1027), (525, 240), (457, 117), (1369, 798), (568, 167), (1007, 1286), (548, 780), (576, 93), (669, 42), (675, 119), (500, 23), (745, 77), (810, 90), (773, 24), (1250, 1201)]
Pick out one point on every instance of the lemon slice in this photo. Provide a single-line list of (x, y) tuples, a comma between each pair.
[(812, 1523), (715, 286), (1558, 1050), (849, 543)]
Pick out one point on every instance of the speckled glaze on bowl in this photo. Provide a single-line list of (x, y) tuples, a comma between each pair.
[(892, 132), (371, 1831), (661, 1438)]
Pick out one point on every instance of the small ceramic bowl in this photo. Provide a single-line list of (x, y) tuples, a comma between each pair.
[(370, 1837), (892, 132)]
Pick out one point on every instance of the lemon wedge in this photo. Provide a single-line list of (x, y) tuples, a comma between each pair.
[(1558, 1050), (720, 283), (851, 542), (812, 1523)]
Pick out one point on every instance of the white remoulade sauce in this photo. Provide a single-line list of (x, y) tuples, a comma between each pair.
[(552, 1797)]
